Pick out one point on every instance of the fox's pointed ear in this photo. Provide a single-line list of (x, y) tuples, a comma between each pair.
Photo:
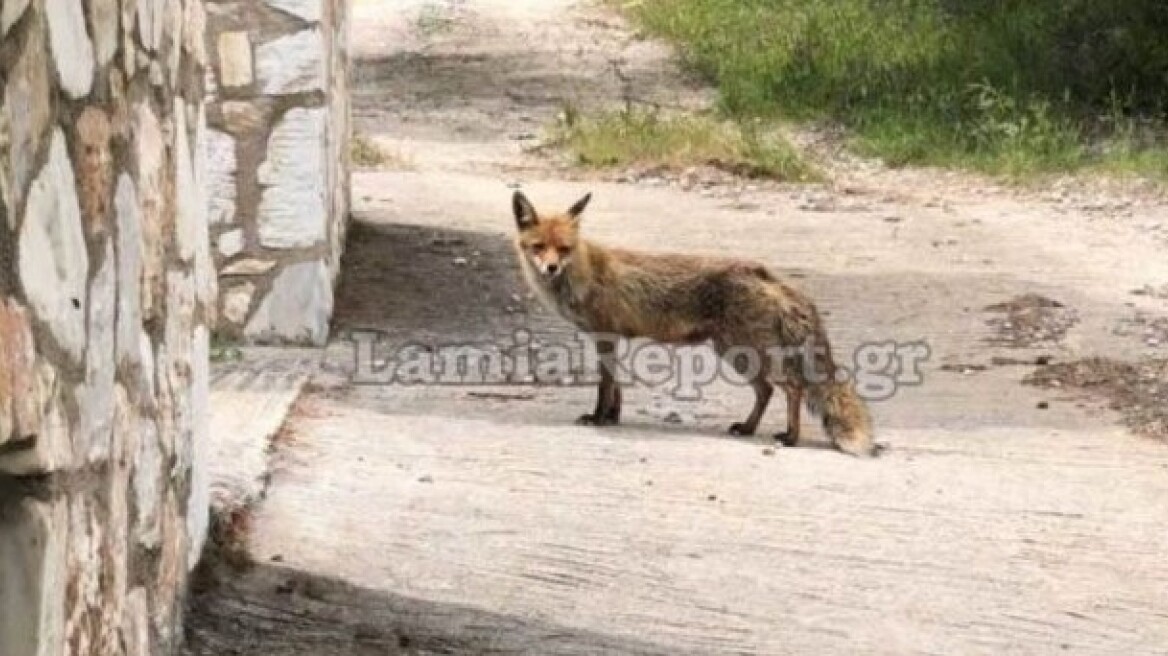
[(525, 216), (576, 210)]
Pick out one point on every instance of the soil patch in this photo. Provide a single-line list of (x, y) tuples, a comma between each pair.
[(1030, 320), (1138, 390)]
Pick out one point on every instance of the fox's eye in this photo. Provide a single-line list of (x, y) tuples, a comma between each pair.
[(537, 247), (564, 251)]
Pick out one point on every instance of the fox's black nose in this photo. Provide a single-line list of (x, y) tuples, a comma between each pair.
[(553, 267)]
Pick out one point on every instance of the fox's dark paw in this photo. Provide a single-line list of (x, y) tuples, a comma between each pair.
[(786, 439), (592, 419), (740, 429)]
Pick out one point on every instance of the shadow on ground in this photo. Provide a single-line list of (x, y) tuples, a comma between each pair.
[(488, 87), (434, 286), (272, 610), (456, 79), (425, 282)]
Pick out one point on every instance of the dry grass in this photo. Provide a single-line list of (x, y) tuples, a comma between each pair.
[(645, 137)]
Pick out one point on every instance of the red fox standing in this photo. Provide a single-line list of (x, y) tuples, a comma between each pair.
[(687, 299)]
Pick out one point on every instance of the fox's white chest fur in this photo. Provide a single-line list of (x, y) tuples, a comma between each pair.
[(556, 294)]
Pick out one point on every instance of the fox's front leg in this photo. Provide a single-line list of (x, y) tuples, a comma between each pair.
[(608, 401)]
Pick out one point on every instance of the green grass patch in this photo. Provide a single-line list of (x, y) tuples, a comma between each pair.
[(366, 153), (225, 351), (1013, 87), (635, 136), (434, 19)]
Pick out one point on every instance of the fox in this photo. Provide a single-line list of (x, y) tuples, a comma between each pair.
[(676, 298)]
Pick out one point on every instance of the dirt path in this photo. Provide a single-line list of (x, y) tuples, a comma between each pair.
[(456, 520)]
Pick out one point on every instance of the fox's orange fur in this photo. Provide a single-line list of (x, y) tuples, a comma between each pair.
[(687, 299)]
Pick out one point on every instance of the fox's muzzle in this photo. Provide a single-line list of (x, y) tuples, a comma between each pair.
[(550, 270)]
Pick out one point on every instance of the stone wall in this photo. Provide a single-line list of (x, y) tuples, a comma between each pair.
[(278, 153), (107, 292)]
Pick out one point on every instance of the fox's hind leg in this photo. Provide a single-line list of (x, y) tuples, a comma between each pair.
[(614, 408), (762, 396), (794, 406)]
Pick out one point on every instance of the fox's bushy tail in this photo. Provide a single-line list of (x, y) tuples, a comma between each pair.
[(845, 416)]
